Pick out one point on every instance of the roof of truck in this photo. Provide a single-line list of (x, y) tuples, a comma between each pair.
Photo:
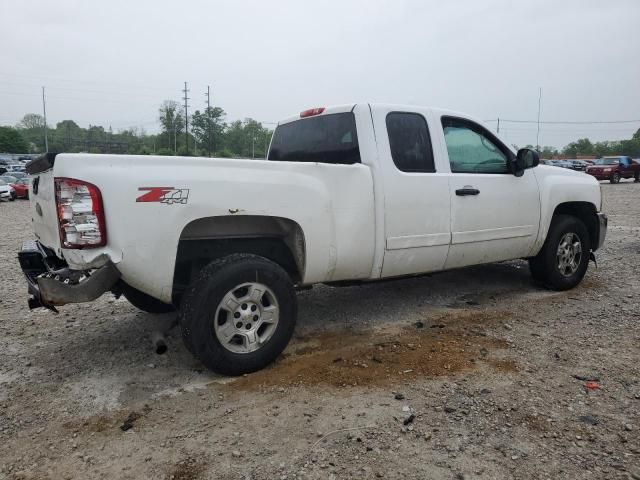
[(348, 107)]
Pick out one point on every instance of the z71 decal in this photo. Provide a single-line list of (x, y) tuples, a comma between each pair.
[(168, 195)]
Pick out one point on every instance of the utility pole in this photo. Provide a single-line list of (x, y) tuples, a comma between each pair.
[(208, 94), (498, 125), (44, 111), (539, 107), (186, 118)]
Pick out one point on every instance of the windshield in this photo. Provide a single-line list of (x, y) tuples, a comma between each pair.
[(606, 161), (2, 182), (9, 179)]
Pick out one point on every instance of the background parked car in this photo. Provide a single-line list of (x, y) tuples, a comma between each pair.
[(615, 168), (6, 191), (561, 163), (579, 165), (8, 178), (18, 175), (21, 187)]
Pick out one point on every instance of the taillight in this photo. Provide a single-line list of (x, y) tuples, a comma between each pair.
[(80, 214), (311, 112)]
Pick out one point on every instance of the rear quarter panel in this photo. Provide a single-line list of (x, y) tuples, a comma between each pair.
[(333, 205)]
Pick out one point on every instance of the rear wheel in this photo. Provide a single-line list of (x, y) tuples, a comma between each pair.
[(239, 314), (636, 176), (615, 177), (564, 258)]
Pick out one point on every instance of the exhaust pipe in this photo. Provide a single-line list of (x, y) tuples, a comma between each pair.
[(159, 342)]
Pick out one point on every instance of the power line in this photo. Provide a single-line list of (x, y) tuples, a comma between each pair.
[(565, 122)]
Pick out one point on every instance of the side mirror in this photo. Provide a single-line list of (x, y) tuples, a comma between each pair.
[(526, 158)]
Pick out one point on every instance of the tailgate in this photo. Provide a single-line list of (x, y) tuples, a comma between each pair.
[(43, 203)]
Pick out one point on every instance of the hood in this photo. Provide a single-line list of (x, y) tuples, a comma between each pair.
[(558, 171)]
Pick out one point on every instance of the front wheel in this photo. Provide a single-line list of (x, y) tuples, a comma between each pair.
[(564, 258), (239, 314), (615, 177)]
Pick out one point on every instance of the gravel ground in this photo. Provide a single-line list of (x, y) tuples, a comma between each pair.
[(469, 374)]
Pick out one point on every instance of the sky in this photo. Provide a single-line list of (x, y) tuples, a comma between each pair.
[(113, 63)]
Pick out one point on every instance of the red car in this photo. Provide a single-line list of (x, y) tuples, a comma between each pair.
[(22, 188), (615, 168)]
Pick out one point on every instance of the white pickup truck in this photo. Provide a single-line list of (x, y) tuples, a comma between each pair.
[(352, 193)]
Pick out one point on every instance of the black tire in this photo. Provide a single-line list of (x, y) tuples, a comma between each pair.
[(544, 266), (200, 304), (636, 176), (144, 302), (615, 177)]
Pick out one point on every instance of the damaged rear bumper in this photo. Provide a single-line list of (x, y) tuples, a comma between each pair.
[(51, 283)]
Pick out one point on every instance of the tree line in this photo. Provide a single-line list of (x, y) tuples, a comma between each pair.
[(584, 146), (208, 135)]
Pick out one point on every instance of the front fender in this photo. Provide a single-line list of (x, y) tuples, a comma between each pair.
[(559, 186)]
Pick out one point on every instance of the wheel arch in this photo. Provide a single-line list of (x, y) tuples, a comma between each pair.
[(585, 212), (203, 240)]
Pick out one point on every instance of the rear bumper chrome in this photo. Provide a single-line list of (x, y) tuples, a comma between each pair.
[(51, 283)]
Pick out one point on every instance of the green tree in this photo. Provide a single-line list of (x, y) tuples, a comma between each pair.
[(579, 147), (548, 152), (11, 141), (32, 130), (208, 127), (67, 137), (172, 124), (247, 139)]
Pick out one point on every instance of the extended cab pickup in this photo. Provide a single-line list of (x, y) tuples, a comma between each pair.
[(352, 193), (615, 168)]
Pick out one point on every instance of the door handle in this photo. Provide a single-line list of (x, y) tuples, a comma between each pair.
[(467, 191)]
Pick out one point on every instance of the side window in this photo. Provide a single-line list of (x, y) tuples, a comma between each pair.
[(410, 142), (471, 149)]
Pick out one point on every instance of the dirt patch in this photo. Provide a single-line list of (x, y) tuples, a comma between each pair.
[(187, 469), (441, 344), (103, 423), (536, 423)]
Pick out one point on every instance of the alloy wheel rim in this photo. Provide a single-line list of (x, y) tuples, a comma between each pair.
[(246, 318), (569, 254)]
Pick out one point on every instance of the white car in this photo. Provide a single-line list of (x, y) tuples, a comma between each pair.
[(6, 191), (353, 193)]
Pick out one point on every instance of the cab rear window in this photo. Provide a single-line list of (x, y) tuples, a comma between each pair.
[(326, 139)]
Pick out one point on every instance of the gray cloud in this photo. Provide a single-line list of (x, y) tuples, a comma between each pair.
[(112, 63)]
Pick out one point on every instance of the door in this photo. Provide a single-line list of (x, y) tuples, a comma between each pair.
[(416, 193), (494, 214)]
